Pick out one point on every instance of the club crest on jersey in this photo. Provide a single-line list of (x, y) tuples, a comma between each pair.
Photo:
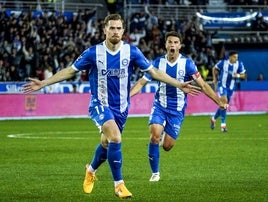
[(181, 73), (125, 62)]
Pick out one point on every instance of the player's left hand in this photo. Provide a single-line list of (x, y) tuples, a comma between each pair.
[(190, 89)]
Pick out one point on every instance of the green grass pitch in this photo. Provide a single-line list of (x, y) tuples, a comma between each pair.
[(44, 160)]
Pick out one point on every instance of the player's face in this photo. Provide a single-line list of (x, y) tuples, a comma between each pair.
[(114, 31), (173, 45), (233, 58)]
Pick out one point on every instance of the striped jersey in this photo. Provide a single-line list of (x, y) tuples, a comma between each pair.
[(226, 72), (183, 69), (109, 73)]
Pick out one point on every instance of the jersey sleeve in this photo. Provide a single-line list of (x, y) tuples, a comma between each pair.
[(219, 65), (241, 68), (84, 61), (147, 77), (140, 60), (192, 69)]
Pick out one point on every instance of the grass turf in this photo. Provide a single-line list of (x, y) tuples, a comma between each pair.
[(44, 160)]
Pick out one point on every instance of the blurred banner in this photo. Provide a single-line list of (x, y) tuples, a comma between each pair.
[(76, 104), (229, 20), (84, 87)]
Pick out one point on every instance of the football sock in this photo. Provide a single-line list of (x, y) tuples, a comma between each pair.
[(115, 160), (90, 169), (223, 116), (153, 154), (217, 114), (100, 157)]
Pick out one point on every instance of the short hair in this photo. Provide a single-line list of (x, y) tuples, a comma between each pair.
[(173, 33), (113, 17), (232, 52)]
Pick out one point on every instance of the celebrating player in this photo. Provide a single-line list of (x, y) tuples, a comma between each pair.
[(170, 103), (225, 73), (110, 65)]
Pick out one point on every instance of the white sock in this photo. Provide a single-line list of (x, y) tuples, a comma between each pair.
[(90, 169), (117, 182)]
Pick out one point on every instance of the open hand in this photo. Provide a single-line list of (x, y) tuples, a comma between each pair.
[(190, 89), (32, 86)]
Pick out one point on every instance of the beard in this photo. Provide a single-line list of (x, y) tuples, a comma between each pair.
[(114, 40)]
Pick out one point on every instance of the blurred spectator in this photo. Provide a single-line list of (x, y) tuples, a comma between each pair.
[(7, 47), (2, 71), (16, 43), (111, 6), (95, 39), (134, 21), (15, 59), (12, 74), (28, 60), (136, 35), (54, 88), (152, 18), (144, 46), (260, 77), (211, 60)]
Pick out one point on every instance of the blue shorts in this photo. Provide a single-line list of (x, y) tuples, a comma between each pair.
[(100, 114), (170, 121), (225, 92)]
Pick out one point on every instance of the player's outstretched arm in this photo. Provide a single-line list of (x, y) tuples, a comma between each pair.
[(184, 86), (136, 88), (210, 93), (35, 84)]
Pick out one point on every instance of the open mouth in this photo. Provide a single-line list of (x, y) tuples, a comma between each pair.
[(172, 50)]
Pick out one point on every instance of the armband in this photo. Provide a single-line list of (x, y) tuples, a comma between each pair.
[(196, 75)]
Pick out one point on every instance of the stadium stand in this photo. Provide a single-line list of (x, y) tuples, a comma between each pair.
[(41, 36)]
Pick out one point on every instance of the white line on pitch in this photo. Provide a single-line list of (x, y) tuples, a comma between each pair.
[(36, 136)]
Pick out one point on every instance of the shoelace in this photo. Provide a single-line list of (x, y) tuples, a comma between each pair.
[(91, 178)]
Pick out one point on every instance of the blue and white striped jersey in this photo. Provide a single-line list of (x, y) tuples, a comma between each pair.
[(109, 73), (226, 71), (169, 97)]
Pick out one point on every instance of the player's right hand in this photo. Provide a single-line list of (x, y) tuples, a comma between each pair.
[(32, 86)]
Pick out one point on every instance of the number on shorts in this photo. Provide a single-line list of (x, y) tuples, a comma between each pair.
[(99, 109)]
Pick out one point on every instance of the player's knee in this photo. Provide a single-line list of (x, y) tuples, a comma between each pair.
[(104, 145), (167, 147), (155, 139)]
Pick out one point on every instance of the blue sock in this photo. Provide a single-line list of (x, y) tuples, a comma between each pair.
[(223, 116), (115, 160), (100, 156), (217, 114), (153, 154)]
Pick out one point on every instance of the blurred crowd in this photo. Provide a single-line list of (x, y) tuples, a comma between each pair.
[(147, 31), (40, 45)]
